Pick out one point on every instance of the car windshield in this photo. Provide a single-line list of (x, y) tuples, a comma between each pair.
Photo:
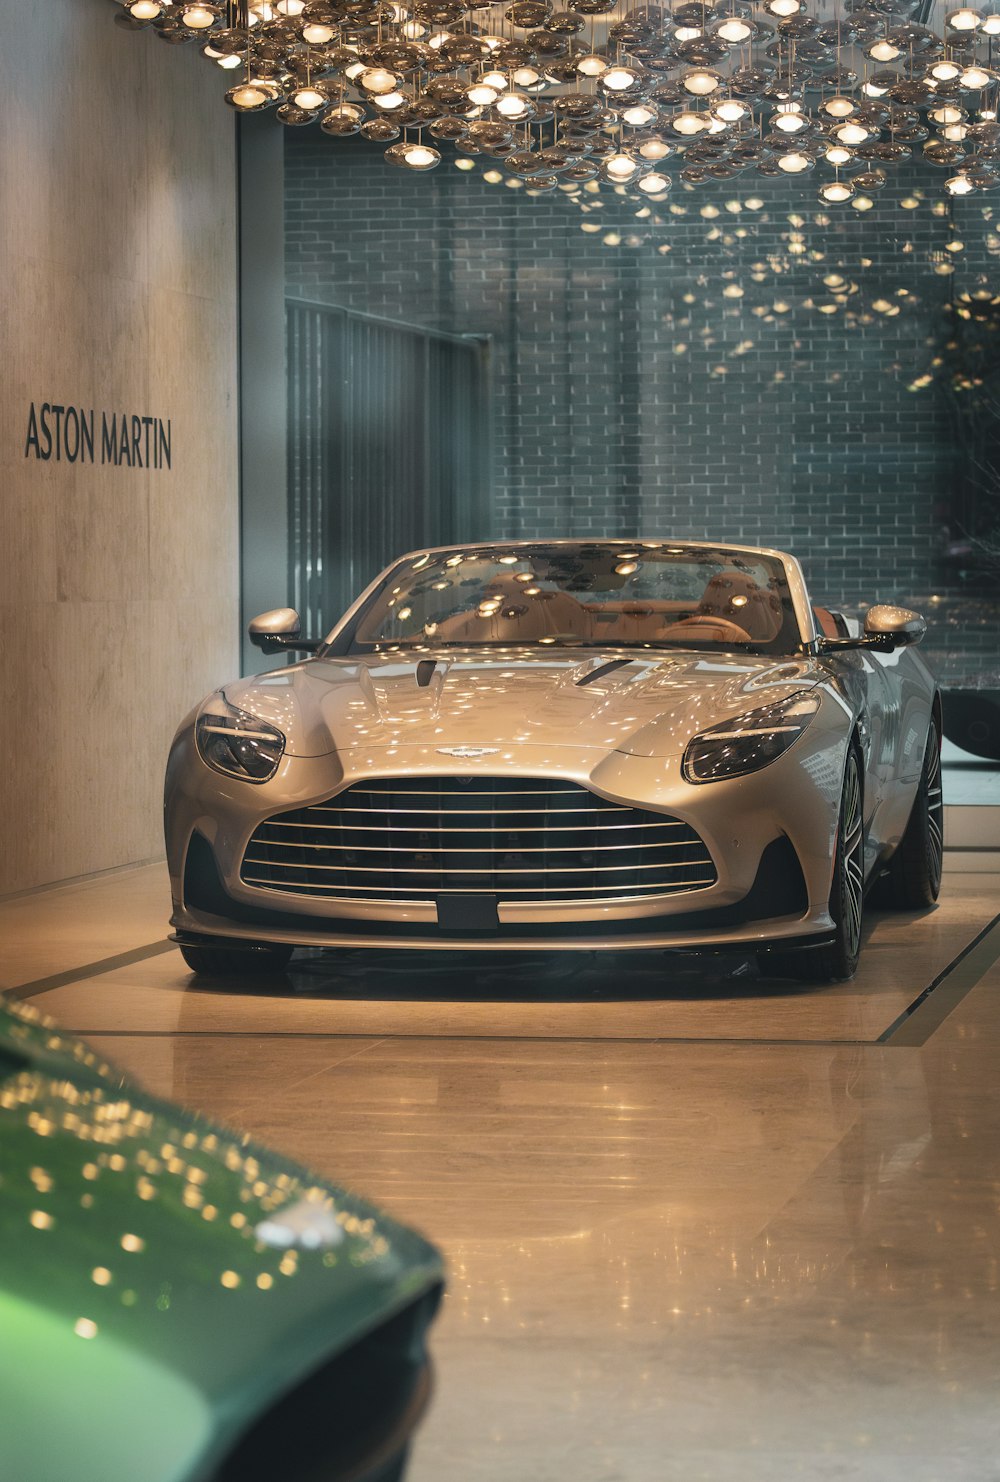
[(588, 595)]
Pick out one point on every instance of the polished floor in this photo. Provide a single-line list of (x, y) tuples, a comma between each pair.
[(698, 1224)]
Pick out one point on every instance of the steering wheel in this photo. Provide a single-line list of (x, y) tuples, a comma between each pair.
[(721, 628)]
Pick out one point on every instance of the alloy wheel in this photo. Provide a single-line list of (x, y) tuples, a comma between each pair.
[(854, 864), (935, 811)]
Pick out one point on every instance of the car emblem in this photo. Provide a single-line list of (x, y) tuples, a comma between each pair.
[(468, 753)]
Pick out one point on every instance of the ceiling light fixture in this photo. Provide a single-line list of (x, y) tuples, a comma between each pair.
[(772, 85)]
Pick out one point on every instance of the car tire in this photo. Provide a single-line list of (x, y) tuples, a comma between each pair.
[(837, 960), (252, 961), (913, 879)]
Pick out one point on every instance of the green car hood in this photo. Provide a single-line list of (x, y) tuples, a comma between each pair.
[(157, 1292)]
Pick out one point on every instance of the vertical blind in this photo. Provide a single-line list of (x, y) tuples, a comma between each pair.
[(388, 449)]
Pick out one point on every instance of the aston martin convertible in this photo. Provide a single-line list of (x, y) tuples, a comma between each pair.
[(563, 744)]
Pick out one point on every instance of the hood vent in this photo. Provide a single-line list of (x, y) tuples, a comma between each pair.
[(601, 670)]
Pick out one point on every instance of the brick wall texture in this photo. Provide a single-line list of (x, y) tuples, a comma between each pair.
[(751, 367)]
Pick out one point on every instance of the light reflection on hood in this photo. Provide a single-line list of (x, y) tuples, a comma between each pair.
[(517, 698)]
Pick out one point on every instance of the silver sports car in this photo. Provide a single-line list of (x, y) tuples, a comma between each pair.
[(565, 744)]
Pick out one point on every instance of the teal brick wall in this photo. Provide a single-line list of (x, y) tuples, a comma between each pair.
[(651, 386)]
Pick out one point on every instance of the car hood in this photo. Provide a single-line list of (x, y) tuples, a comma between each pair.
[(645, 705), (140, 1275)]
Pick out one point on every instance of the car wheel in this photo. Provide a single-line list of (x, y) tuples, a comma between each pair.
[(837, 960), (913, 879), (256, 960)]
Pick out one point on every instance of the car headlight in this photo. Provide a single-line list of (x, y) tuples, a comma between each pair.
[(750, 741), (236, 743)]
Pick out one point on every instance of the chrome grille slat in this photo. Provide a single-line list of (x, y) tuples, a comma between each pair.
[(562, 843), (468, 790), (478, 812), (519, 893), (492, 870), (500, 849), (669, 823)]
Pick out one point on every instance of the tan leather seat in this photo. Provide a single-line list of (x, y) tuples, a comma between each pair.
[(827, 623), (737, 597), (519, 617), (733, 607)]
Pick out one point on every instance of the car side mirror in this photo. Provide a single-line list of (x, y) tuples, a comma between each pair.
[(897, 627), (278, 630), (885, 629)]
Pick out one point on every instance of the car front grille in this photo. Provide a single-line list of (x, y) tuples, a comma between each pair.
[(516, 838)]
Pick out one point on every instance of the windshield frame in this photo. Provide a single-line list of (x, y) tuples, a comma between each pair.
[(339, 642)]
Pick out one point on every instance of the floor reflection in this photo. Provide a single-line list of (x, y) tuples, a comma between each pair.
[(526, 976)]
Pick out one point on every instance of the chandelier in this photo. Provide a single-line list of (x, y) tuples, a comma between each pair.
[(603, 92)]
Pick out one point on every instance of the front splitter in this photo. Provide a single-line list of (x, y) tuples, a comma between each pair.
[(789, 932)]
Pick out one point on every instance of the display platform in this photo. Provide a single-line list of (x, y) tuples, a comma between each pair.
[(537, 996)]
